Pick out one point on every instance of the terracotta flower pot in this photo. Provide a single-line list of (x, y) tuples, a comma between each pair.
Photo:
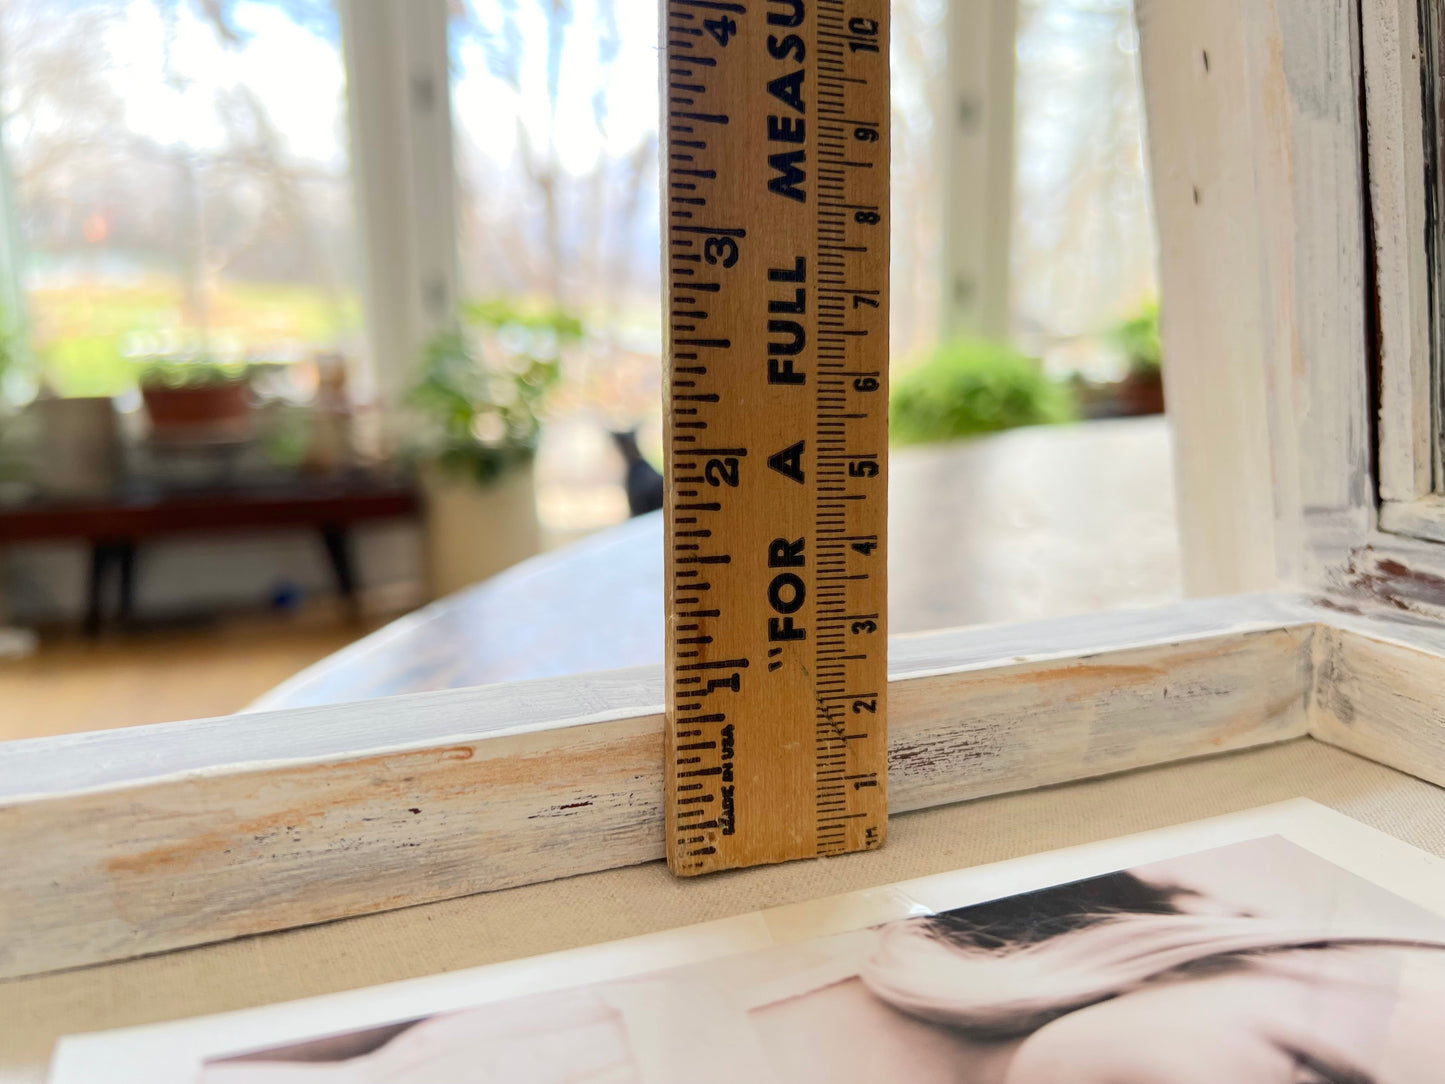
[(199, 412), (1142, 393)]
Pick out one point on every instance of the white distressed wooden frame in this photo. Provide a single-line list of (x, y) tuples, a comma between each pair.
[(138, 841), (127, 842), (1397, 135), (1295, 159), (1408, 223), (1255, 134)]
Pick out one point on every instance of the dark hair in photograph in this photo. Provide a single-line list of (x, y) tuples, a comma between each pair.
[(1004, 969)]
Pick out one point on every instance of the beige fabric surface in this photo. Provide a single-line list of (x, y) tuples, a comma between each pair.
[(623, 903)]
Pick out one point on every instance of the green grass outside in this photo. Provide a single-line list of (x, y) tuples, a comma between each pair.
[(80, 331)]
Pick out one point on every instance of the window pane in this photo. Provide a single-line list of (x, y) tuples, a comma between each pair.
[(919, 64), (181, 182), (556, 110), (1083, 236), (555, 107)]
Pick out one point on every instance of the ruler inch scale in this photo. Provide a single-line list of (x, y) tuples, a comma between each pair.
[(775, 123)]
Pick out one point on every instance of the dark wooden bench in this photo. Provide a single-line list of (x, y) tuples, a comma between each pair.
[(115, 527)]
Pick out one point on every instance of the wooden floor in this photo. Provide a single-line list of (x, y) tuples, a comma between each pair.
[(75, 684)]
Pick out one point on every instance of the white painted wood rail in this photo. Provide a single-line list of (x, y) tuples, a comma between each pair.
[(127, 842)]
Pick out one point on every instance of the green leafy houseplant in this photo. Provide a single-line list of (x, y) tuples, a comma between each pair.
[(190, 372), (1137, 338), (481, 419), (969, 387)]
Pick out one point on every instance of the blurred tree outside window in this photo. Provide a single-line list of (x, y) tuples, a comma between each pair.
[(918, 60), (555, 115), (181, 183), (556, 111), (1083, 249)]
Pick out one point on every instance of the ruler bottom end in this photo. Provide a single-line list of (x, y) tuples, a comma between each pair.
[(687, 864)]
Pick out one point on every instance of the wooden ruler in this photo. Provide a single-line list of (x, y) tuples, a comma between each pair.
[(775, 122)]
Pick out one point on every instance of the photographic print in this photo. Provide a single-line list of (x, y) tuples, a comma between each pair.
[(1254, 962)]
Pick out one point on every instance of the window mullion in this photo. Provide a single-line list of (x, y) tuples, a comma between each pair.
[(399, 95)]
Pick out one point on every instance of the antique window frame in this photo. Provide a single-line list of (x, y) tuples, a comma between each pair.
[(142, 840)]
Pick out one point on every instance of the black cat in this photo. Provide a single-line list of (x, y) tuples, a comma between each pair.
[(644, 485)]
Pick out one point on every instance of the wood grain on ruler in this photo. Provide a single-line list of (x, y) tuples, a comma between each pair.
[(775, 122)]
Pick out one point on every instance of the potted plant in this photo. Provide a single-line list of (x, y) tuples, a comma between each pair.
[(196, 399), (1137, 338), (480, 425), (969, 387)]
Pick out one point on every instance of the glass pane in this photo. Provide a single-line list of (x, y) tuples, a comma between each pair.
[(181, 182), (1083, 238), (919, 69), (556, 110)]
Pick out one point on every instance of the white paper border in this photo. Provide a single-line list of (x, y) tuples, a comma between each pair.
[(173, 1053)]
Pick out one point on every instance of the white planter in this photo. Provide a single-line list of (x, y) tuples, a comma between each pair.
[(473, 530), (80, 453)]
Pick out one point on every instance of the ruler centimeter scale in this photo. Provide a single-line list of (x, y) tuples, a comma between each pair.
[(775, 228)]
